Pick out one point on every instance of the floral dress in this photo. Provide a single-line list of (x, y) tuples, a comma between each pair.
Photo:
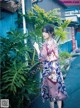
[(53, 87)]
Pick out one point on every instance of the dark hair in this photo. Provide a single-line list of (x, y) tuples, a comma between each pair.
[(48, 29)]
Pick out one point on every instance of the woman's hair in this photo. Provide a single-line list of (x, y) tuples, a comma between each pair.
[(48, 29)]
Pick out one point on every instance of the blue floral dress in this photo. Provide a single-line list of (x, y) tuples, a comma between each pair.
[(53, 87)]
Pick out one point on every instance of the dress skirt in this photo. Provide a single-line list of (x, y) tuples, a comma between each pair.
[(52, 89)]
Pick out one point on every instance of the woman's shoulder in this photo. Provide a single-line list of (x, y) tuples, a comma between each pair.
[(54, 43)]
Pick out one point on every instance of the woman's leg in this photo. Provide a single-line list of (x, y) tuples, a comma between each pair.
[(59, 103), (52, 104)]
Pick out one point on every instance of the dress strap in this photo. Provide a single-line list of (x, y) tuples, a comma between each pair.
[(55, 54), (51, 52)]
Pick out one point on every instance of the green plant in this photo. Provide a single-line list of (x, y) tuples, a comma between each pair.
[(64, 55), (18, 80), (38, 18), (64, 58)]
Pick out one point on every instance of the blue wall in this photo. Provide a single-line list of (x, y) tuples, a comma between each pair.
[(66, 46), (7, 22), (78, 38)]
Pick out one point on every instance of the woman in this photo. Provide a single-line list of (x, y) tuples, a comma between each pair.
[(53, 87)]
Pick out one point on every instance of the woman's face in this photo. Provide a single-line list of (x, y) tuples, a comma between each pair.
[(46, 35)]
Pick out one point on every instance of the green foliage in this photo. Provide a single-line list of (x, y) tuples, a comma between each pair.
[(65, 24), (38, 18), (64, 58), (14, 77), (18, 80), (61, 32), (64, 55)]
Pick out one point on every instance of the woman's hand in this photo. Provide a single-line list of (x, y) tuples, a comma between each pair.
[(36, 46)]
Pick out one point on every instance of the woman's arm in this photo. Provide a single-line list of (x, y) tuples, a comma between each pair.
[(36, 46), (42, 53)]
